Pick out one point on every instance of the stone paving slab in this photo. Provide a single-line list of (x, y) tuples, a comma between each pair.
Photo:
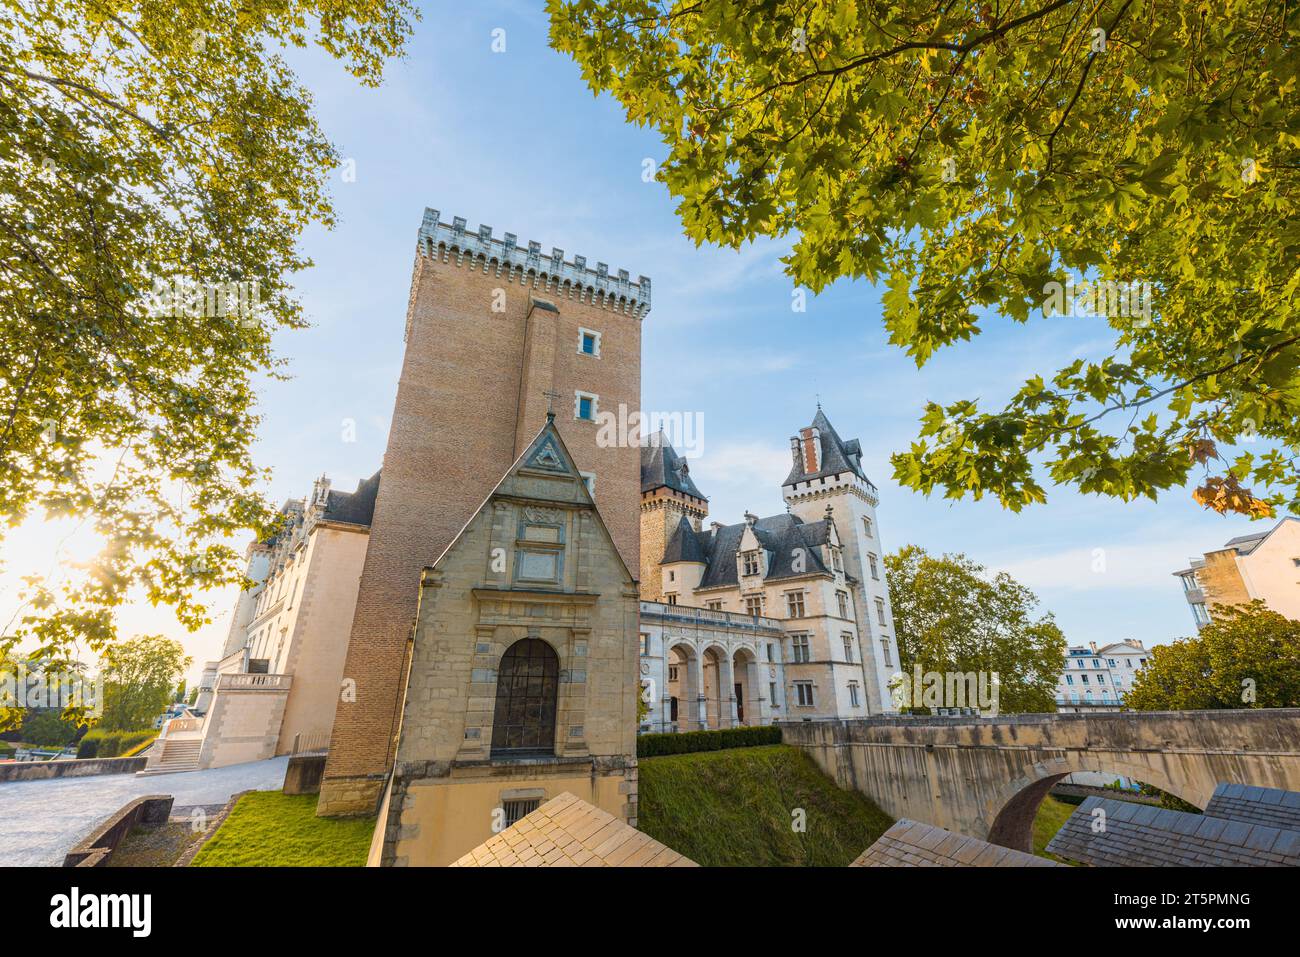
[(41, 820), (566, 831)]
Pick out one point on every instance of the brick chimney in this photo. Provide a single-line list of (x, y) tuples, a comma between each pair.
[(809, 439)]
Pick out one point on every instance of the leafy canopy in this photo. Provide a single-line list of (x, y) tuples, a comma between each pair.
[(968, 156), (158, 162), (139, 680), (1247, 657), (950, 615)]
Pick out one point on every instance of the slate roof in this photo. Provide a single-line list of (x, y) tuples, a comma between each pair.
[(354, 508), (780, 535), (662, 467), (1138, 835), (1245, 544), (1256, 805), (684, 545), (837, 455), (566, 831), (913, 844)]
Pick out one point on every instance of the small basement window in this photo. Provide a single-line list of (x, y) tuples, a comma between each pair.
[(515, 810)]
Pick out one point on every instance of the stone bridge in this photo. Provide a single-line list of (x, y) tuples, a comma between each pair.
[(985, 777)]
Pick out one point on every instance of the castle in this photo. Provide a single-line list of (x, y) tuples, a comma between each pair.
[(497, 637), (778, 618)]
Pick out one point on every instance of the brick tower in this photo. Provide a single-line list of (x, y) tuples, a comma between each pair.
[(496, 334), (668, 495)]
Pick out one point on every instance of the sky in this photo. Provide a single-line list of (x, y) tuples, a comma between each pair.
[(516, 140)]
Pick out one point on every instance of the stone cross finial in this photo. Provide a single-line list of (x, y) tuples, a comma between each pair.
[(551, 396)]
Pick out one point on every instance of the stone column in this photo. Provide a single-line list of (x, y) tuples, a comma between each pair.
[(695, 690), (758, 682), (727, 692)]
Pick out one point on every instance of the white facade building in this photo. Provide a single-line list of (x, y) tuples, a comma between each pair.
[(778, 618), (1096, 679)]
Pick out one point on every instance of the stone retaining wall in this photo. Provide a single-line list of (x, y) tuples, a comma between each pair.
[(75, 768), (97, 849)]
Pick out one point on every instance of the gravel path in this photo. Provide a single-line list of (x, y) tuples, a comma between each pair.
[(41, 820)]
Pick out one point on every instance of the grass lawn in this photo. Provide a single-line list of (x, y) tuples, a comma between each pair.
[(272, 829), (737, 808), (1051, 815)]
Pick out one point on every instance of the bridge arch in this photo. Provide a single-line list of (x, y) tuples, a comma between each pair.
[(1014, 808), (986, 776)]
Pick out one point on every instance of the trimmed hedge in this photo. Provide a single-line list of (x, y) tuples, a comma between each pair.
[(685, 742), (112, 744)]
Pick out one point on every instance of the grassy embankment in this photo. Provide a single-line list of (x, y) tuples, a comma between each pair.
[(739, 808)]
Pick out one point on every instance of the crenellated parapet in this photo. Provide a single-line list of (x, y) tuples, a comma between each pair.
[(571, 279)]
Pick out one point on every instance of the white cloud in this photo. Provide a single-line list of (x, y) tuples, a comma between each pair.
[(760, 465), (1103, 567)]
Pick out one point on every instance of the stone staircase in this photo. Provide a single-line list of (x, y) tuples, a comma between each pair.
[(175, 755)]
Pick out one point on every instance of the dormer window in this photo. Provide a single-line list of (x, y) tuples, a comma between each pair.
[(836, 561), (750, 560)]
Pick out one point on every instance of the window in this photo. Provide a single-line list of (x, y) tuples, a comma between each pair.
[(645, 644), (589, 342), (584, 405), (1087, 696), (1074, 697), (1111, 662), (836, 561), (672, 575), (1085, 679), (880, 610), (1105, 694), (866, 527), (751, 563), (1101, 679), (799, 651), (589, 480), (1069, 679), (794, 604), (853, 694), (713, 605), (528, 682), (672, 598), (1296, 562), (754, 605), (803, 694), (514, 810), (1096, 663), (771, 652), (672, 672), (843, 599), (848, 646), (771, 694), (875, 570), (884, 651)]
